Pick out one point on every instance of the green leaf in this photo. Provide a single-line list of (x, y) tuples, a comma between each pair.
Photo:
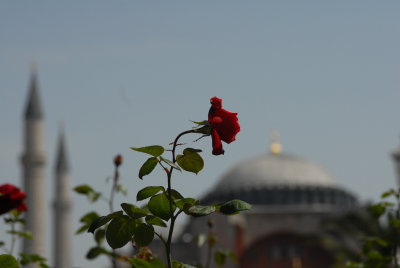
[(191, 150), (202, 123), (377, 210), (99, 236), (87, 219), (371, 241), (120, 231), (82, 229), (121, 189), (352, 264), (140, 263), (88, 191), (182, 203), (16, 213), (148, 192), (8, 261), (95, 252), (100, 221), (220, 258), (83, 189), (154, 150), (190, 160), (144, 234), (153, 220), (395, 223), (160, 207), (232, 256), (375, 255), (177, 264), (176, 195), (157, 263), (170, 163), (93, 196), (205, 130), (133, 211), (388, 193), (198, 210), (32, 258), (148, 167), (27, 235), (234, 206)]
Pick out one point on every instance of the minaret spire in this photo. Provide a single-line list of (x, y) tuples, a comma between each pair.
[(62, 207), (33, 164), (33, 107), (62, 163)]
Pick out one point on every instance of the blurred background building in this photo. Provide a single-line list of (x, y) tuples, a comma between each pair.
[(33, 163), (291, 198)]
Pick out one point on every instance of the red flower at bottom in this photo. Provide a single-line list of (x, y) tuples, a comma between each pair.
[(11, 198), (224, 125)]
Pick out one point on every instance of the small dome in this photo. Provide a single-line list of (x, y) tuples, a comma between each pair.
[(274, 170)]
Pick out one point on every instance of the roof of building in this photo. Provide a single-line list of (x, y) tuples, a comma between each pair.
[(280, 179), (274, 170)]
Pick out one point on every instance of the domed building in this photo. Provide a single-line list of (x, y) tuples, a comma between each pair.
[(290, 196)]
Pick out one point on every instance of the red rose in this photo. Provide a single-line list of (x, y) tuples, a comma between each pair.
[(224, 125), (11, 198)]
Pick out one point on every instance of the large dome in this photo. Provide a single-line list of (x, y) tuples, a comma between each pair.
[(269, 170), (279, 179)]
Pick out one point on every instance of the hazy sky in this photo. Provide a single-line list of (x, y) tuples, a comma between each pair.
[(133, 73)]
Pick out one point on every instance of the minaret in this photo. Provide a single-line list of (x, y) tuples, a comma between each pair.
[(396, 159), (62, 208), (33, 165)]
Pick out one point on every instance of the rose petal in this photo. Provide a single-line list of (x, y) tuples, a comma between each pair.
[(216, 143)]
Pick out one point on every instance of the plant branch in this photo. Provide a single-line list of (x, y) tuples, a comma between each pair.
[(173, 218), (176, 142), (396, 245), (209, 252), (13, 237), (177, 214), (164, 168), (110, 203), (113, 190), (161, 238), (209, 243)]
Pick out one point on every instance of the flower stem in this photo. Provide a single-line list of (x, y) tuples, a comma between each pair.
[(396, 245), (111, 206), (169, 191), (113, 190), (13, 237), (209, 251)]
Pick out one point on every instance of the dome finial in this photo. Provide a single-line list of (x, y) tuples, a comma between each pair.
[(275, 147)]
